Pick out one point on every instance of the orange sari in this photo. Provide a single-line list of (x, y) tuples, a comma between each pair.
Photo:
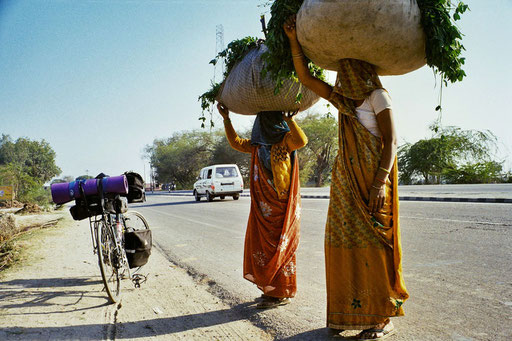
[(272, 235), (364, 278)]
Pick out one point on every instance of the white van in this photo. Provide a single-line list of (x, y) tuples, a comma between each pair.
[(219, 181)]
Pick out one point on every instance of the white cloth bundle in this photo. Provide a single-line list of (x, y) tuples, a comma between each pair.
[(385, 33)]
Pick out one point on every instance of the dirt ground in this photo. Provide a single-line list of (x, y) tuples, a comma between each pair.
[(56, 293)]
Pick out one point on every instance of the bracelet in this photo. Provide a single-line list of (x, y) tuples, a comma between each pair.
[(376, 187), (384, 169), (380, 180), (298, 55)]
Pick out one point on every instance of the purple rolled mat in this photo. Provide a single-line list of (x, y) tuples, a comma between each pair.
[(61, 193), (90, 187), (67, 191), (115, 184)]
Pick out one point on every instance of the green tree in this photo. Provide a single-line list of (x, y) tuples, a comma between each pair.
[(317, 157), (472, 173), (448, 150), (25, 187), (27, 165), (36, 158), (180, 157)]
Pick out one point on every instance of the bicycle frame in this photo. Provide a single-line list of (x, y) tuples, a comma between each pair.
[(112, 258)]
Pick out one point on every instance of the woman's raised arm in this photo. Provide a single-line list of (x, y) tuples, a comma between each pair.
[(316, 85), (236, 142)]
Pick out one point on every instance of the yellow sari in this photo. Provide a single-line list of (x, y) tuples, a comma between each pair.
[(362, 251)]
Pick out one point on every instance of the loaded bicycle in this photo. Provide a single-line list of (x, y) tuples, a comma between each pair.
[(121, 239)]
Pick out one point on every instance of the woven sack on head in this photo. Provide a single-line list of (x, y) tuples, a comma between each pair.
[(387, 34), (246, 92)]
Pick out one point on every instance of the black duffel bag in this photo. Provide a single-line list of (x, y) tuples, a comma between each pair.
[(137, 245), (136, 191)]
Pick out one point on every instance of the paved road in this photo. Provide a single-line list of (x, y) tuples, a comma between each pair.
[(457, 264), (463, 193)]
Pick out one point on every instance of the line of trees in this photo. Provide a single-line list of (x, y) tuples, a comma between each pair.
[(450, 155), (27, 165), (180, 157)]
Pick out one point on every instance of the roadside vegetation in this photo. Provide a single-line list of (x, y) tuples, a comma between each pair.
[(451, 155), (25, 165), (180, 157)]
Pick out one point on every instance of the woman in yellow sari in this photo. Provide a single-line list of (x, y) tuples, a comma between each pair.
[(272, 235), (365, 285)]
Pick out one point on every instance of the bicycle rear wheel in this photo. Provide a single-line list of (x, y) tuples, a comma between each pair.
[(109, 261), (135, 221)]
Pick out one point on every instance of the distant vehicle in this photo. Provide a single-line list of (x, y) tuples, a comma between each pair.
[(219, 181), (170, 187)]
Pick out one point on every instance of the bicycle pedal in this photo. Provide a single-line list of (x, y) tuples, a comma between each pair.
[(138, 279)]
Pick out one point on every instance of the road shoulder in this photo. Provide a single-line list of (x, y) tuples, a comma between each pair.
[(57, 295)]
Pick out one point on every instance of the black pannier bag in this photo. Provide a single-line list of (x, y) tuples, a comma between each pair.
[(91, 207), (137, 245), (79, 212), (136, 191), (85, 209)]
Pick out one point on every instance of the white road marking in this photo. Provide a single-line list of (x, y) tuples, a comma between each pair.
[(455, 220)]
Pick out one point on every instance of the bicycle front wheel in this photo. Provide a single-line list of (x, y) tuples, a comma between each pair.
[(109, 261)]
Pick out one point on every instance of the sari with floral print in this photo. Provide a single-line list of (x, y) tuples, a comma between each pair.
[(272, 235), (362, 251)]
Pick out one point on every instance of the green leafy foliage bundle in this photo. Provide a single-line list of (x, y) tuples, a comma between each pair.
[(278, 59), (443, 39)]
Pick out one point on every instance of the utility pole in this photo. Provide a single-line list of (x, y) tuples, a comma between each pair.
[(219, 47), (218, 68)]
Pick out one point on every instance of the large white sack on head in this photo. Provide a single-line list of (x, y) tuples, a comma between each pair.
[(385, 33), (246, 92)]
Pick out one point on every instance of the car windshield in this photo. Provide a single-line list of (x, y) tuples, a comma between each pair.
[(226, 172)]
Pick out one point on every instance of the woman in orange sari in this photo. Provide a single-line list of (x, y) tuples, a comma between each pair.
[(272, 235), (365, 286)]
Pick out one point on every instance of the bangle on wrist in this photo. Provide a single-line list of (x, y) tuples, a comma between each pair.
[(381, 181), (384, 169), (297, 55), (376, 187)]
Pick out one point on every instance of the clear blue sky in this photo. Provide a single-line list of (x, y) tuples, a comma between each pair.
[(99, 80)]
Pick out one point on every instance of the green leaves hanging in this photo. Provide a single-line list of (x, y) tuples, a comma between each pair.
[(235, 51), (278, 60), (443, 39)]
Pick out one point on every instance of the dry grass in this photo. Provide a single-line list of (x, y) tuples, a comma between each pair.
[(8, 227), (10, 231)]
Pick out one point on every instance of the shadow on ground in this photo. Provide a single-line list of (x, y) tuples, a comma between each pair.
[(32, 294), (140, 329)]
